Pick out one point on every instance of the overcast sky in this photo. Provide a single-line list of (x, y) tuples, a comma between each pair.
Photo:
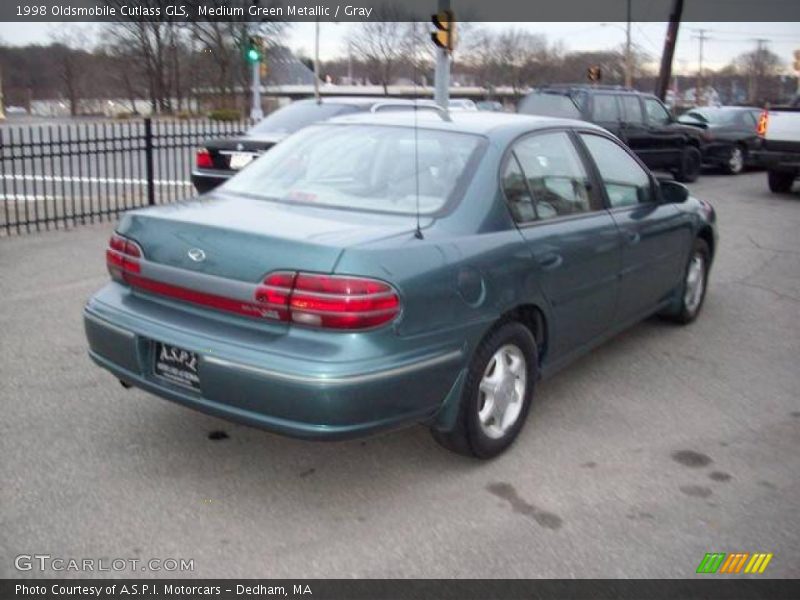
[(726, 40)]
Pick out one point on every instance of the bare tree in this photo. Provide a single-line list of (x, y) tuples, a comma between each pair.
[(221, 51), (761, 68), (512, 57), (72, 60), (381, 44)]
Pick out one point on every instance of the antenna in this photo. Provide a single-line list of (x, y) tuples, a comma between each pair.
[(418, 231)]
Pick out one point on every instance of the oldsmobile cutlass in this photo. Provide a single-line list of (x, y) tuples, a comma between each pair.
[(376, 271)]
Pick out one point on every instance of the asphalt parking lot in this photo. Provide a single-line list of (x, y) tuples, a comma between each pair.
[(662, 445)]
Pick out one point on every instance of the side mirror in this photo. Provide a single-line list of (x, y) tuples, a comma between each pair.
[(673, 192)]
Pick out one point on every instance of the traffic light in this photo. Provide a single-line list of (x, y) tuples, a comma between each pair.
[(797, 60), (445, 34), (254, 50), (594, 73)]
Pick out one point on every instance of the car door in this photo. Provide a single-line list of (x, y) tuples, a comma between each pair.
[(634, 131), (605, 111), (575, 245), (656, 237), (664, 138)]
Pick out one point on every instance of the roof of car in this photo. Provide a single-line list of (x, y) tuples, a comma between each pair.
[(700, 108), (360, 100), (587, 87), (477, 122)]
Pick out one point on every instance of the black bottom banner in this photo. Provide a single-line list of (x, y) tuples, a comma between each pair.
[(397, 589)]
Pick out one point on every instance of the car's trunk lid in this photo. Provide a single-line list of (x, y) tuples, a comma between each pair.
[(244, 239), (224, 150)]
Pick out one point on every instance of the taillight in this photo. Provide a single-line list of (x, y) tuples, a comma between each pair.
[(763, 121), (274, 294), (328, 301), (203, 159), (122, 256)]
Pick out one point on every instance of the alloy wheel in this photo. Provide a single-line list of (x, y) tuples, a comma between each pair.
[(695, 283), (502, 391), (736, 160)]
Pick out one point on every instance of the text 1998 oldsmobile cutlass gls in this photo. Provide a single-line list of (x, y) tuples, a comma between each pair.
[(302, 296)]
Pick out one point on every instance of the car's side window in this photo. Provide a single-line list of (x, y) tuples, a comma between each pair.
[(554, 174), (517, 194), (625, 181), (605, 108), (632, 109), (656, 113)]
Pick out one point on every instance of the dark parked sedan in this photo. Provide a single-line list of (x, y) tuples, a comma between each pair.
[(729, 134), (219, 159), (368, 273)]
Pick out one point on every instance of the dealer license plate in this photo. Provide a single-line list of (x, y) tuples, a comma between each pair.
[(239, 160), (177, 365)]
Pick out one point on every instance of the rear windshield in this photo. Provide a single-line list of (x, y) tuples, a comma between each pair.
[(549, 105), (363, 167), (298, 115)]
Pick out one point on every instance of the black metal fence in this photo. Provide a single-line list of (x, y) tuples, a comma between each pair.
[(60, 175)]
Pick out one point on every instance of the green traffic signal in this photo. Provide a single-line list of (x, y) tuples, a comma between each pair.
[(253, 53)]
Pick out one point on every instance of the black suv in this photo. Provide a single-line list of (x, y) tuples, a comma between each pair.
[(639, 120)]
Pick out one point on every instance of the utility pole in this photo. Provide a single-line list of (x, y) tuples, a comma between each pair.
[(665, 72), (628, 58), (256, 113), (442, 78), (698, 95), (757, 72), (350, 62), (316, 62), (2, 105)]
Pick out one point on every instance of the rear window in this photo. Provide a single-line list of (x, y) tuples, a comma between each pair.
[(364, 167), (549, 105), (298, 115)]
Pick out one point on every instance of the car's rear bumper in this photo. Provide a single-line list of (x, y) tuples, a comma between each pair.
[(205, 180), (780, 161), (261, 385)]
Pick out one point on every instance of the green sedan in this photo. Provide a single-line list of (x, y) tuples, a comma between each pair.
[(378, 271)]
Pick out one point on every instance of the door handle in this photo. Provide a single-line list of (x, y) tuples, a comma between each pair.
[(550, 261), (633, 237)]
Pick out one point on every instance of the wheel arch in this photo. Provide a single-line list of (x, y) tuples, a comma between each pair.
[(707, 236), (534, 319)]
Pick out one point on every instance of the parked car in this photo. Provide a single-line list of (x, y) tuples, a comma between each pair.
[(779, 130), (639, 120), (490, 105), (219, 159), (729, 134), (375, 271), (462, 104)]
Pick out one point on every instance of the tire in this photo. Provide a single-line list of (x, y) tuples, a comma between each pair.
[(690, 164), (780, 182), (478, 432), (692, 298), (736, 160)]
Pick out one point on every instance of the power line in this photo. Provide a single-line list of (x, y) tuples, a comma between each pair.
[(701, 37)]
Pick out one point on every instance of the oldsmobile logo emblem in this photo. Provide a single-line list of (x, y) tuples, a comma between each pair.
[(240, 146), (197, 255)]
